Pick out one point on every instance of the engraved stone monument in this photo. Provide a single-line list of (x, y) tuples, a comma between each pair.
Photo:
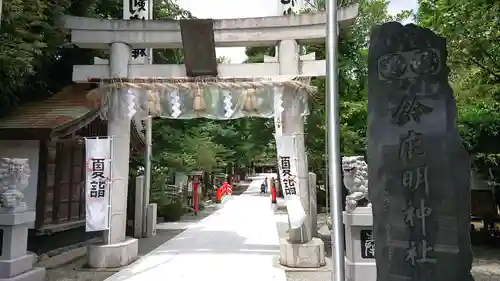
[(419, 170), (15, 262), (358, 219)]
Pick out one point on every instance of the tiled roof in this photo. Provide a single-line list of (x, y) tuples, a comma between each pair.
[(65, 107)]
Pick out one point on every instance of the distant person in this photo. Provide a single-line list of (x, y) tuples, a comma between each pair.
[(263, 186), (196, 190)]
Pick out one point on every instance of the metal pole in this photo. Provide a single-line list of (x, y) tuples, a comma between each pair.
[(333, 127), (149, 126), (110, 209), (147, 174)]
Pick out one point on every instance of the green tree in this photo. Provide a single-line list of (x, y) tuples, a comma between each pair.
[(28, 42), (472, 31)]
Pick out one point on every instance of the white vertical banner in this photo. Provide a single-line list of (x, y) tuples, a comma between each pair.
[(98, 155), (288, 169), (138, 10)]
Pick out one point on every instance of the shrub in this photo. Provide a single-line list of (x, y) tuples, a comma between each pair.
[(170, 208)]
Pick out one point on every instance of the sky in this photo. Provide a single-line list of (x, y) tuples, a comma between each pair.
[(224, 9)]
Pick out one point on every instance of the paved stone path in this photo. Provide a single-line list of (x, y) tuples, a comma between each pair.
[(238, 242)]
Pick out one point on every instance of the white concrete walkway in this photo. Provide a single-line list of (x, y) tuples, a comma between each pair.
[(238, 242)]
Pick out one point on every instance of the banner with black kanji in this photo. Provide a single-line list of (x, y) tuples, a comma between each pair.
[(98, 183), (288, 171)]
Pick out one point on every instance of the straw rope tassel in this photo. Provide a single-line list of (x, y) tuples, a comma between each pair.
[(250, 104), (154, 104), (198, 102)]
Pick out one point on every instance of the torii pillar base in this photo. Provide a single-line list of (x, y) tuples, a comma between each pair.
[(113, 255), (306, 255), (304, 262)]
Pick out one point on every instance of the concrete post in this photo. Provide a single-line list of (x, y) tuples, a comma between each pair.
[(117, 249), (151, 222), (313, 205), (147, 175), (139, 213)]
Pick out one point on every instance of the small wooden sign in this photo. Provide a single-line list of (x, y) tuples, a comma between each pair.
[(199, 47)]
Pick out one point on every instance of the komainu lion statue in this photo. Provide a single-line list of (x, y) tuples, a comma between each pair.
[(14, 176), (355, 177)]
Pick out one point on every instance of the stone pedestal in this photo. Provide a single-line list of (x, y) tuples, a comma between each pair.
[(15, 262), (306, 255), (360, 245)]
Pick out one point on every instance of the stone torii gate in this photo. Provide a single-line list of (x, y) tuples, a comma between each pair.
[(164, 90)]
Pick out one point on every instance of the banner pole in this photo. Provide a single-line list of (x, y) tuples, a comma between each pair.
[(111, 144)]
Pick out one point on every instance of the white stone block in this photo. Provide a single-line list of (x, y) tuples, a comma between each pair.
[(313, 204), (138, 208), (151, 220), (113, 255), (307, 255), (359, 264)]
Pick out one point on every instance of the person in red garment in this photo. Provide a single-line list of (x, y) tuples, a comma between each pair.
[(227, 188), (196, 195)]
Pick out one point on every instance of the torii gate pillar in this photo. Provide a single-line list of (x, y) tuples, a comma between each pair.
[(288, 121), (117, 250)]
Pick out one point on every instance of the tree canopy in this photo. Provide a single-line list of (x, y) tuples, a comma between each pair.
[(472, 30)]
